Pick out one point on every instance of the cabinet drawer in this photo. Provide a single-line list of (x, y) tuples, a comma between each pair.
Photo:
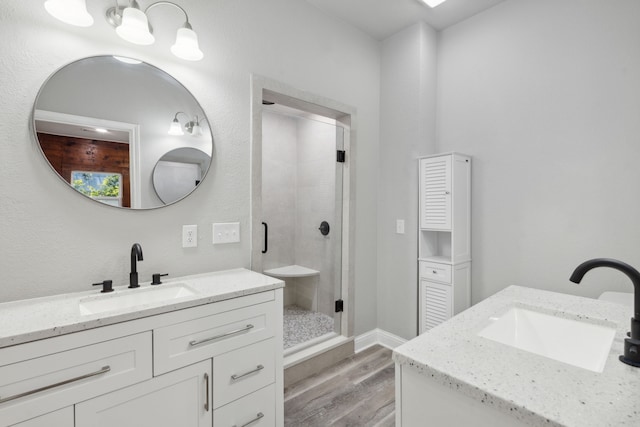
[(40, 385), (195, 340), (435, 272), (243, 371), (255, 410)]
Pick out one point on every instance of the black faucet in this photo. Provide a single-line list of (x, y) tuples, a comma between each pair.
[(136, 255), (632, 344)]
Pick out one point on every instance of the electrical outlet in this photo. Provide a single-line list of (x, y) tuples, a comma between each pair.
[(400, 226), (228, 232), (189, 236)]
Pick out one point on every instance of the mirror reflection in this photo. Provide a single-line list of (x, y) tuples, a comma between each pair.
[(178, 172), (109, 125)]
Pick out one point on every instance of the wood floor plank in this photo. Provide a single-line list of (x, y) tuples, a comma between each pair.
[(358, 391), (333, 371), (355, 374)]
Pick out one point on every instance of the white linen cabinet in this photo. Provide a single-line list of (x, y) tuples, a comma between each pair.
[(444, 238)]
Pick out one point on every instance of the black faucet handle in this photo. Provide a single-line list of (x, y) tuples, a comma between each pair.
[(107, 286), (156, 278)]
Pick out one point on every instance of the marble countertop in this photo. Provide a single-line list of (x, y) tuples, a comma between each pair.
[(537, 390), (38, 318)]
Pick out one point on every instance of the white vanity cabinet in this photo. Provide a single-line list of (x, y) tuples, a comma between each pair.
[(444, 238), (181, 368)]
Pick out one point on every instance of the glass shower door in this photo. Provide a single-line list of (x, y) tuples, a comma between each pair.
[(302, 205)]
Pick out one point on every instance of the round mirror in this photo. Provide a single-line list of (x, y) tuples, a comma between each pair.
[(106, 123), (178, 172)]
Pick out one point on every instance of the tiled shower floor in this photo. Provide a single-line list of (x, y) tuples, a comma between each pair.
[(302, 325)]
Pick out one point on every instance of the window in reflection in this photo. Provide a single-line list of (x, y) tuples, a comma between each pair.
[(104, 187)]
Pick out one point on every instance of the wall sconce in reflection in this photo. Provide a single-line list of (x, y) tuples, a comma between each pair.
[(131, 24), (192, 127)]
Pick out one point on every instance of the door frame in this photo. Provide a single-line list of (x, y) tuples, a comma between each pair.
[(263, 88)]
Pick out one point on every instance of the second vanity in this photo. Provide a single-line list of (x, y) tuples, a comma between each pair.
[(466, 372), (205, 351)]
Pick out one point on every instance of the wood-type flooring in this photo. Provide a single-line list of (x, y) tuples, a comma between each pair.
[(356, 392)]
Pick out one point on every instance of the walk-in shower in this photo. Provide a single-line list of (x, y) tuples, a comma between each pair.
[(302, 182)]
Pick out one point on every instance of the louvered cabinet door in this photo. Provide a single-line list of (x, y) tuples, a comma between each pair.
[(435, 193), (436, 304)]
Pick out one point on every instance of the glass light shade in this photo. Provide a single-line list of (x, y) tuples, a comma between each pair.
[(186, 45), (175, 128), (135, 27), (72, 12), (196, 130)]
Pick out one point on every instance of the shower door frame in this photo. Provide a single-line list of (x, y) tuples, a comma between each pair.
[(272, 90)]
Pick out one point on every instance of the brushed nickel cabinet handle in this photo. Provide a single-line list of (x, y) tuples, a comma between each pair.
[(258, 416), (235, 377), (103, 370), (217, 337), (206, 403)]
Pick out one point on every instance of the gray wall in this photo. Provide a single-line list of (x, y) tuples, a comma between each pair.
[(407, 131), (544, 95), (55, 241)]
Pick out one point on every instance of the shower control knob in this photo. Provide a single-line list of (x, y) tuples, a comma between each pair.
[(324, 228)]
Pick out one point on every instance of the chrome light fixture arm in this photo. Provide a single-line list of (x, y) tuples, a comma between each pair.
[(114, 14), (158, 3)]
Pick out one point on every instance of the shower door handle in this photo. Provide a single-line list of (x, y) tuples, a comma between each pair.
[(266, 238)]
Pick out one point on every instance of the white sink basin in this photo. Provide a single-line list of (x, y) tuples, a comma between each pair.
[(577, 343), (129, 298)]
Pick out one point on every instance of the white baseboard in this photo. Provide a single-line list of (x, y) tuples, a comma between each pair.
[(377, 336)]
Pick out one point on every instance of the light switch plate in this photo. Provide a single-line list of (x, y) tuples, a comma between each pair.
[(226, 232), (189, 236), (400, 226)]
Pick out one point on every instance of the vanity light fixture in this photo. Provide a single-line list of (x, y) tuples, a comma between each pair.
[(192, 127), (73, 12), (433, 3), (132, 25)]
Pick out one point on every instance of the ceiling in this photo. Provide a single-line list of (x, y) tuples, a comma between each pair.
[(382, 18)]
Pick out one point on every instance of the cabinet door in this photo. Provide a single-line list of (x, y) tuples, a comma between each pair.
[(435, 193), (436, 301), (179, 398), (60, 418)]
